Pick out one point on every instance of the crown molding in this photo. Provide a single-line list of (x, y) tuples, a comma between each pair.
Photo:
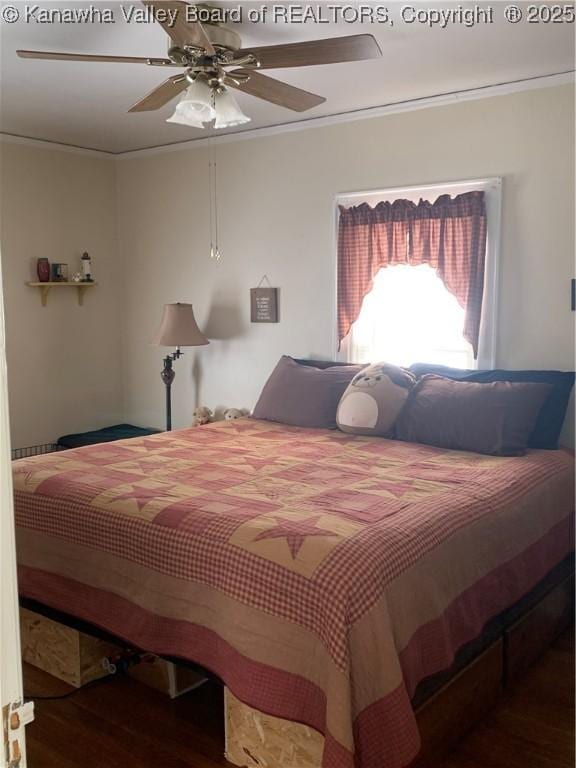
[(444, 99), (11, 138)]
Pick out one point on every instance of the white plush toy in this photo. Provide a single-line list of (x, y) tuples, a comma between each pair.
[(233, 413), (201, 415)]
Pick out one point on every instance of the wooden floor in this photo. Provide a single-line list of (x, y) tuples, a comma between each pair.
[(533, 726), (123, 724)]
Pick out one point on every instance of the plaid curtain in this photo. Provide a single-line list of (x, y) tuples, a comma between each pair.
[(449, 235)]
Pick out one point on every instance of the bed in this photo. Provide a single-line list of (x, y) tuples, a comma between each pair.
[(322, 576)]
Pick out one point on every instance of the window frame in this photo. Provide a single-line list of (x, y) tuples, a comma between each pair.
[(492, 188)]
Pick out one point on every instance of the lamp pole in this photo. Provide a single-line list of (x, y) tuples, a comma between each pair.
[(168, 373)]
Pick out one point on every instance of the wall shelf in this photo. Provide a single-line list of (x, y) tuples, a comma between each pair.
[(45, 288)]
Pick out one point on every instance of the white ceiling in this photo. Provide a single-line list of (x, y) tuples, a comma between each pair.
[(85, 104)]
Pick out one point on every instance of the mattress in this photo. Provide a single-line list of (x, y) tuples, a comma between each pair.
[(321, 575)]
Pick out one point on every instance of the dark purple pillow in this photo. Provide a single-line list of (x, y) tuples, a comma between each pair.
[(495, 418), (549, 423), (302, 395)]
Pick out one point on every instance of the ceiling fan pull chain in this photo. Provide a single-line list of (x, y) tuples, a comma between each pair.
[(210, 201), (214, 250), (217, 254)]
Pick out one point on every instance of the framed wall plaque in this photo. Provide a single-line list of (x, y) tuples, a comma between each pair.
[(264, 305)]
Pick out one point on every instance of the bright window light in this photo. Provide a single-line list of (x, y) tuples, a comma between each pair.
[(409, 317)]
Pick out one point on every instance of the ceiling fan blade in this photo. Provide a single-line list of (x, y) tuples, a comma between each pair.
[(89, 57), (332, 50), (275, 91), (182, 31), (161, 95)]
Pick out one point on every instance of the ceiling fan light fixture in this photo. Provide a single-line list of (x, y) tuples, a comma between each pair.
[(184, 117), (228, 112), (195, 106)]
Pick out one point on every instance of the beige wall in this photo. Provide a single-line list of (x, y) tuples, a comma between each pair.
[(64, 361), (73, 368), (277, 217)]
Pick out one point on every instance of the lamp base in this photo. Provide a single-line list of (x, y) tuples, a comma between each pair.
[(167, 375)]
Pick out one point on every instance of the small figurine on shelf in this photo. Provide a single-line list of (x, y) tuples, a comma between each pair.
[(86, 268), (59, 273), (202, 416)]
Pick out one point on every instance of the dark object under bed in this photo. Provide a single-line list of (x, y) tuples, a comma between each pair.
[(105, 435)]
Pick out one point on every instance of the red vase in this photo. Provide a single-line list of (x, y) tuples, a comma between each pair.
[(43, 270)]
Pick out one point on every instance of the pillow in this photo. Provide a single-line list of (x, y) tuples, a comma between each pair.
[(374, 399), (304, 396), (496, 418), (551, 418)]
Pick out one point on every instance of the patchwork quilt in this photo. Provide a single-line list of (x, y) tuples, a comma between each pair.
[(321, 575)]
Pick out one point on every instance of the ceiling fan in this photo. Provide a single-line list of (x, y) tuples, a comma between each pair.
[(214, 61)]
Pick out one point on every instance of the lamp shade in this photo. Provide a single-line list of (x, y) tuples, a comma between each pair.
[(228, 112), (178, 328), (195, 106)]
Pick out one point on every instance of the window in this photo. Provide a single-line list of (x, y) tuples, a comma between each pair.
[(409, 315)]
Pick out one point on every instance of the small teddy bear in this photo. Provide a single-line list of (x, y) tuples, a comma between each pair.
[(201, 415), (232, 413)]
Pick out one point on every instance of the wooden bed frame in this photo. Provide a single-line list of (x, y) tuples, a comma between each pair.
[(446, 705)]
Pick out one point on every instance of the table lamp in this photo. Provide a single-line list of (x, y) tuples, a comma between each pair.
[(177, 329)]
